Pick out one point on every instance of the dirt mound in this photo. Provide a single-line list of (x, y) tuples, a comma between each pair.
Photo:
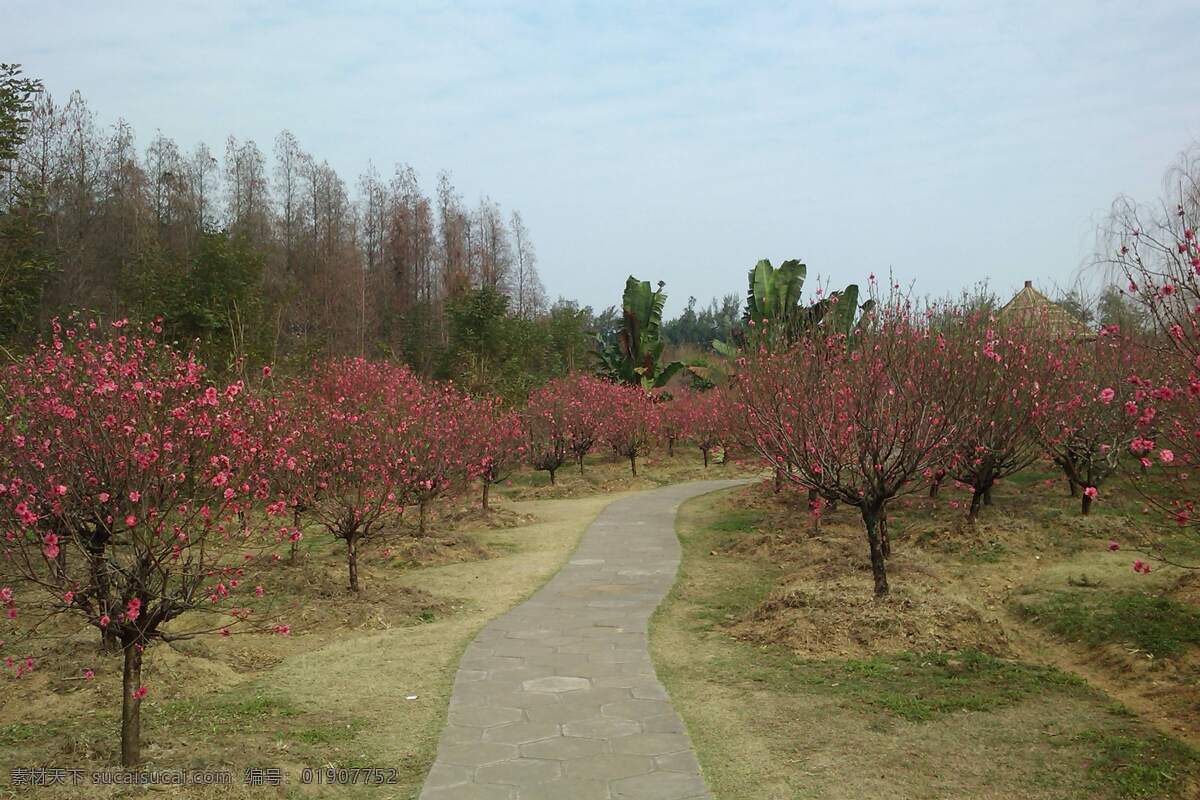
[(498, 518), (435, 549), (841, 618)]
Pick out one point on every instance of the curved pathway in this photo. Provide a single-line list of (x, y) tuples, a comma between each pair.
[(557, 699)]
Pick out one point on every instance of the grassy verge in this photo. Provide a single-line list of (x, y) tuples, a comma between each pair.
[(1150, 622), (361, 682), (768, 723)]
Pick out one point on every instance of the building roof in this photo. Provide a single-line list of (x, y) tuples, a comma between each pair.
[(1030, 308)]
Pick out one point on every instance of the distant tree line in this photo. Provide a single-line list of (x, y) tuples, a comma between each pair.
[(270, 257)]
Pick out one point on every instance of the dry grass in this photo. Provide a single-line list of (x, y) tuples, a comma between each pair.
[(795, 683), (337, 691)]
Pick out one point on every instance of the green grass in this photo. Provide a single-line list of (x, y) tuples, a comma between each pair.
[(1155, 624), (1132, 766), (922, 686), (226, 714), (750, 705), (916, 687), (329, 734), (19, 732), (736, 520)]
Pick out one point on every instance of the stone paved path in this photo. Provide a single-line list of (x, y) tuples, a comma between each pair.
[(557, 699)]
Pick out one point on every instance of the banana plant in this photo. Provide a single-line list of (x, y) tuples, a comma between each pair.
[(837, 312), (774, 315), (634, 355)]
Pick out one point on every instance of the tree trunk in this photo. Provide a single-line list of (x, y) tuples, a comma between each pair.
[(352, 561), (580, 464), (295, 542), (705, 451), (934, 486), (95, 545), (671, 446), (778, 479), (724, 454), (633, 464), (1086, 504), (1073, 486), (551, 476), (878, 565), (421, 517), (131, 707), (885, 541), (486, 488), (987, 496), (976, 501)]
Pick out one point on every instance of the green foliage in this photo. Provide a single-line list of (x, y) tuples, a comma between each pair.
[(25, 266), (774, 294), (634, 355), (1075, 305), (775, 318), (838, 312), (1155, 624), (922, 686), (215, 297), (1132, 766), (702, 326), (16, 101), (493, 351), (1115, 307), (330, 733)]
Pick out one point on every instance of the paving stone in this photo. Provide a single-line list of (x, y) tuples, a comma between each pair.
[(485, 717), (658, 786), (461, 734), (556, 683), (669, 723), (683, 761), (557, 699), (519, 772), (608, 766), (562, 713), (651, 744), (442, 776), (471, 791), (521, 732), (475, 754), (605, 728), (650, 692), (636, 709), (525, 699), (563, 748), (565, 789)]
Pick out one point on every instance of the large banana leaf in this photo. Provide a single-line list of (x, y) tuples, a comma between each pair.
[(635, 355)]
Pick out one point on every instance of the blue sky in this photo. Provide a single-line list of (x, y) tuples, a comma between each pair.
[(948, 142)]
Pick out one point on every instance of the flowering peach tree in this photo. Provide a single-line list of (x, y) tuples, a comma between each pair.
[(631, 422), (496, 442), (126, 482), (1090, 417), (1157, 250), (854, 419), (546, 429), (1005, 372), (348, 424)]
